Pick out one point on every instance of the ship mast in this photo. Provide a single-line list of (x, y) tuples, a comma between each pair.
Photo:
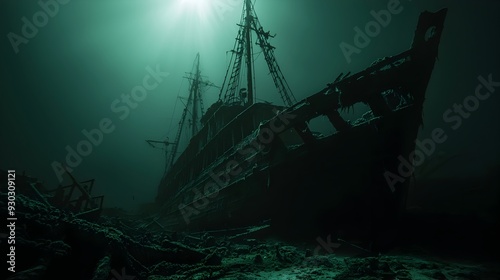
[(231, 92), (194, 106), (249, 50), (195, 92)]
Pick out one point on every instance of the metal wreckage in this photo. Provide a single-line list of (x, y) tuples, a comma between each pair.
[(249, 162)]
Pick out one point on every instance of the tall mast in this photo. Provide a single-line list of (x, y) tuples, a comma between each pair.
[(231, 92), (248, 48), (192, 101), (193, 108), (196, 95)]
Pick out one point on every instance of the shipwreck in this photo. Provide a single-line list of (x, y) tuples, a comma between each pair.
[(249, 162)]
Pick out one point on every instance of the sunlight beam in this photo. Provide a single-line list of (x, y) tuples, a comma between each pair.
[(200, 7)]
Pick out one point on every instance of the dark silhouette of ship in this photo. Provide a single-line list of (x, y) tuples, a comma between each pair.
[(249, 161)]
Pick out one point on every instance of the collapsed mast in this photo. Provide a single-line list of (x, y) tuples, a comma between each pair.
[(231, 91)]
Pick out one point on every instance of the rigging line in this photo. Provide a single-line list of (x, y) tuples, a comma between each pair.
[(175, 106), (256, 57), (224, 85), (263, 100), (254, 82), (186, 105)]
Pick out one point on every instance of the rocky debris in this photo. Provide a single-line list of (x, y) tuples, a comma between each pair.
[(32, 273), (212, 259), (103, 269), (258, 259), (54, 243)]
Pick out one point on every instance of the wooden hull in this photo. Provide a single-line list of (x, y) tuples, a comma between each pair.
[(283, 172), (339, 180)]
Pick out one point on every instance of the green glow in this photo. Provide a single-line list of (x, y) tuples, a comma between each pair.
[(198, 8), (190, 24)]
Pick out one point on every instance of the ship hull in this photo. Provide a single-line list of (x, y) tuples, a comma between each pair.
[(340, 181), (300, 181)]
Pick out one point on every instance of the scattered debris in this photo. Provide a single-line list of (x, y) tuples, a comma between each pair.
[(56, 243)]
